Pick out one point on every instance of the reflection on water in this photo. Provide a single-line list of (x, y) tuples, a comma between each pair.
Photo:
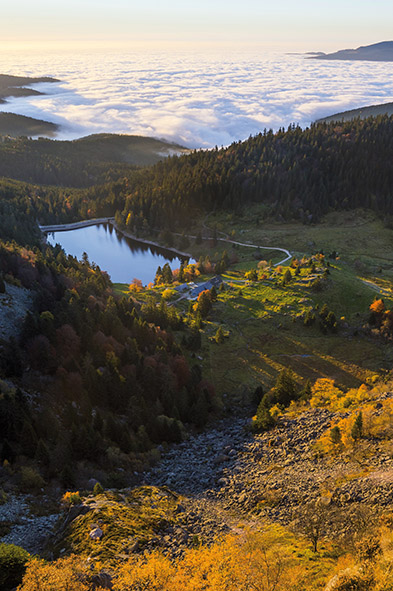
[(122, 258)]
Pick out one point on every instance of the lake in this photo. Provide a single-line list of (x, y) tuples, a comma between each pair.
[(124, 259)]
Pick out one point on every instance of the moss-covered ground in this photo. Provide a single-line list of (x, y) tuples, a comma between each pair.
[(128, 520)]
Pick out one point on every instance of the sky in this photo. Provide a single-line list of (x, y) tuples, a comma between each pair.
[(289, 25)]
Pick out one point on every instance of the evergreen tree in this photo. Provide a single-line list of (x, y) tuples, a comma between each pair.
[(167, 273), (357, 427), (42, 455), (335, 435), (285, 389), (287, 278)]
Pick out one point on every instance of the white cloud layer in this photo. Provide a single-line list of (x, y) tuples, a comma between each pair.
[(196, 100)]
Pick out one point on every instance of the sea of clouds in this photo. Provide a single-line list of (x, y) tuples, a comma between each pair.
[(197, 100)]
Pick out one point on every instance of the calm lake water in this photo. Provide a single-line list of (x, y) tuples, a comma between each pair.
[(122, 258)]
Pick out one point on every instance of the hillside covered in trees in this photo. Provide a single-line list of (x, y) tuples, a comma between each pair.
[(94, 159), (296, 174), (109, 372), (293, 175)]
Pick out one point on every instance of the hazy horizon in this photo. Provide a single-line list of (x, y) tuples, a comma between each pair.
[(130, 25)]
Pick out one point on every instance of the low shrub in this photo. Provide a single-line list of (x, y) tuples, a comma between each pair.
[(13, 561), (72, 498), (30, 480)]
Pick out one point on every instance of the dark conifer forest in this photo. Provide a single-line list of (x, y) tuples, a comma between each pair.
[(297, 174)]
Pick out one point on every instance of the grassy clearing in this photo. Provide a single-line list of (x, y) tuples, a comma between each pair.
[(267, 333), (353, 234)]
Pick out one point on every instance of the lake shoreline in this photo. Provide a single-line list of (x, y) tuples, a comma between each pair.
[(111, 221)]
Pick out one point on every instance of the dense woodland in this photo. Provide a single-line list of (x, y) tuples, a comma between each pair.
[(294, 174), (23, 205), (297, 174), (91, 160)]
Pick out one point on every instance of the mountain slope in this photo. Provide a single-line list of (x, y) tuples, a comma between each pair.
[(361, 112), (19, 125), (293, 174), (15, 86), (378, 52), (80, 163)]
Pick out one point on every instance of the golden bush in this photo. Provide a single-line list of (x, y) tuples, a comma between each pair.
[(66, 574)]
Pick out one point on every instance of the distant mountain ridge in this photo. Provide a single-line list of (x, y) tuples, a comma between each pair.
[(378, 52), (19, 125), (15, 86), (361, 113), (90, 160)]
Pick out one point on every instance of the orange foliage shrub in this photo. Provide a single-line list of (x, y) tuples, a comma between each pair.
[(377, 307), (71, 498), (66, 574), (376, 423), (191, 273), (256, 561), (325, 394), (136, 285)]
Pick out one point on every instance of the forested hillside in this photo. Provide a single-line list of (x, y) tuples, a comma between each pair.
[(294, 175), (80, 163), (108, 370), (111, 376), (297, 174)]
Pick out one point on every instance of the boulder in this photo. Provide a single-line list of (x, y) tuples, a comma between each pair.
[(96, 534)]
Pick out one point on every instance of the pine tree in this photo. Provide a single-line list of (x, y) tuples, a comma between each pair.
[(285, 388), (167, 273), (335, 435), (28, 439), (357, 427), (42, 455), (287, 278)]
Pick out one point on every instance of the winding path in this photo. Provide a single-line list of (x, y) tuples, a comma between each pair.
[(289, 256), (247, 244)]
